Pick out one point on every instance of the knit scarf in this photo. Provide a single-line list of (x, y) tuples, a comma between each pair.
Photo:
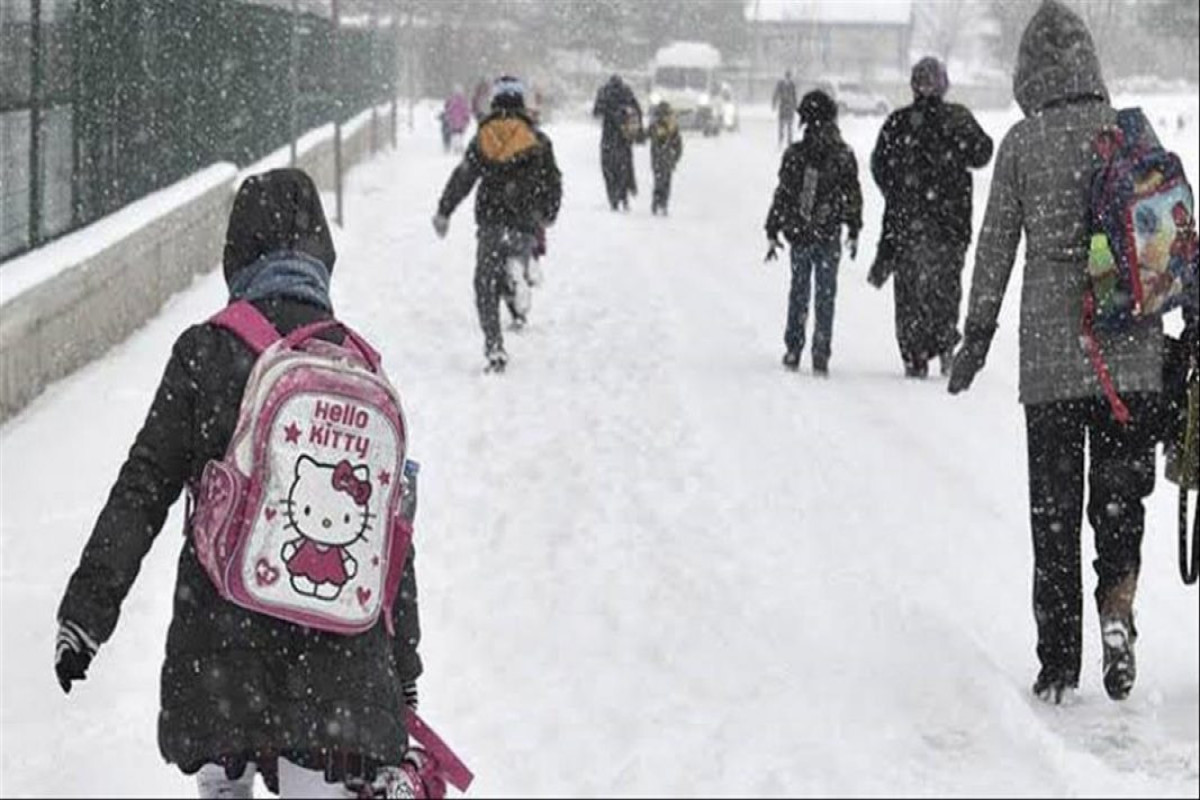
[(284, 273)]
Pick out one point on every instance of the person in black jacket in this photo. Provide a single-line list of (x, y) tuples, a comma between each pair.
[(242, 691), (818, 193), (921, 163), (520, 189), (621, 122)]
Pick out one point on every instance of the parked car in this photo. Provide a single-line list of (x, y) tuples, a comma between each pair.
[(857, 98)]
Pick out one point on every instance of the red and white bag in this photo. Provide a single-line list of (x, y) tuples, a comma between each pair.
[(301, 519)]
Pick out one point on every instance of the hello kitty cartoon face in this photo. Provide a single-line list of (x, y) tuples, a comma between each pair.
[(328, 503)]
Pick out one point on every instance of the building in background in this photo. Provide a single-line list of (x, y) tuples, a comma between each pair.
[(866, 41)]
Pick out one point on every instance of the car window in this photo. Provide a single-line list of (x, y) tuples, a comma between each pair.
[(681, 78)]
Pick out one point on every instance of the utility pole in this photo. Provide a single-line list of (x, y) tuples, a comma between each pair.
[(412, 65), (35, 123), (294, 83), (337, 108)]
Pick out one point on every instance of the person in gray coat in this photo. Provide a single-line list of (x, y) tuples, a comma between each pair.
[(1040, 187)]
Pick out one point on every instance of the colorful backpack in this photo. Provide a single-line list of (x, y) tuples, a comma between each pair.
[(1143, 250), (301, 520)]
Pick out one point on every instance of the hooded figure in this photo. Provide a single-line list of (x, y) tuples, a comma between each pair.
[(239, 688), (1040, 188), (621, 117), (921, 163), (818, 194), (520, 189)]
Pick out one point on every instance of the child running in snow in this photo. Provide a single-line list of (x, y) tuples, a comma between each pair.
[(520, 189), (318, 714)]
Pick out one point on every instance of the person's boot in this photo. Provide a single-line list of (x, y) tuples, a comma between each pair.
[(1120, 666), (1118, 634), (1054, 688), (497, 360), (917, 370), (821, 367), (946, 360), (791, 360)]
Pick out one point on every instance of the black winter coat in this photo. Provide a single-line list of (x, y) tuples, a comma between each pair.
[(613, 104), (520, 186), (920, 163), (818, 190), (234, 682), (666, 144), (238, 685)]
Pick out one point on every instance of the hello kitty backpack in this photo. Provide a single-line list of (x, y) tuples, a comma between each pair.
[(301, 520)]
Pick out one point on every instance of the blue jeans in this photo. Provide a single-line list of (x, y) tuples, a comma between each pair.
[(821, 259)]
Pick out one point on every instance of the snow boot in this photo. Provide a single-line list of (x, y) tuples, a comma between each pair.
[(821, 367), (1118, 634), (1120, 667), (946, 360), (497, 360), (917, 370), (791, 360), (1054, 689)]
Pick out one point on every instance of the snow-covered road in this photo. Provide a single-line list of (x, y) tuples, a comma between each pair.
[(651, 561)]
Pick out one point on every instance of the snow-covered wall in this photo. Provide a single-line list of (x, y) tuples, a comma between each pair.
[(68, 302)]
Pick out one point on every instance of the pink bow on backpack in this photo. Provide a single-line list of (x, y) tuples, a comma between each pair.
[(344, 480)]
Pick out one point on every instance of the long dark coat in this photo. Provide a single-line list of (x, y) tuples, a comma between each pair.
[(237, 685), (921, 164), (613, 102)]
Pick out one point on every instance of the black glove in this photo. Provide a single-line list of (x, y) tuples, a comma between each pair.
[(970, 357), (441, 224), (878, 274), (73, 652), (852, 245), (409, 688), (773, 247)]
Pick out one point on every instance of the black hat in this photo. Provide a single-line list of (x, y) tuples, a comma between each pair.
[(276, 210), (816, 106), (508, 93)]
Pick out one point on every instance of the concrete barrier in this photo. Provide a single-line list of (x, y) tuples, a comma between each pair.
[(68, 302)]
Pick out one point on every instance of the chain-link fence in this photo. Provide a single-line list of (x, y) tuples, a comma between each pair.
[(104, 101)]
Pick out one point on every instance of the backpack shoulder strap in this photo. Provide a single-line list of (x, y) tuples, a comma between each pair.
[(248, 323)]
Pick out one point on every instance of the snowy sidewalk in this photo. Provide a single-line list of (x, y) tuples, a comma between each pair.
[(651, 562)]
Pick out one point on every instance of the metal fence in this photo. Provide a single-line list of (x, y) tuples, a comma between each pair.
[(104, 101)]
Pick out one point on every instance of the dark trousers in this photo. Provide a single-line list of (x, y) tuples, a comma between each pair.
[(495, 247), (819, 263), (662, 186), (616, 162), (785, 127), (1120, 475), (928, 293)]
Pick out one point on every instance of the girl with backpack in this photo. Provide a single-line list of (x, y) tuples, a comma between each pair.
[(318, 714), (1040, 187)]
